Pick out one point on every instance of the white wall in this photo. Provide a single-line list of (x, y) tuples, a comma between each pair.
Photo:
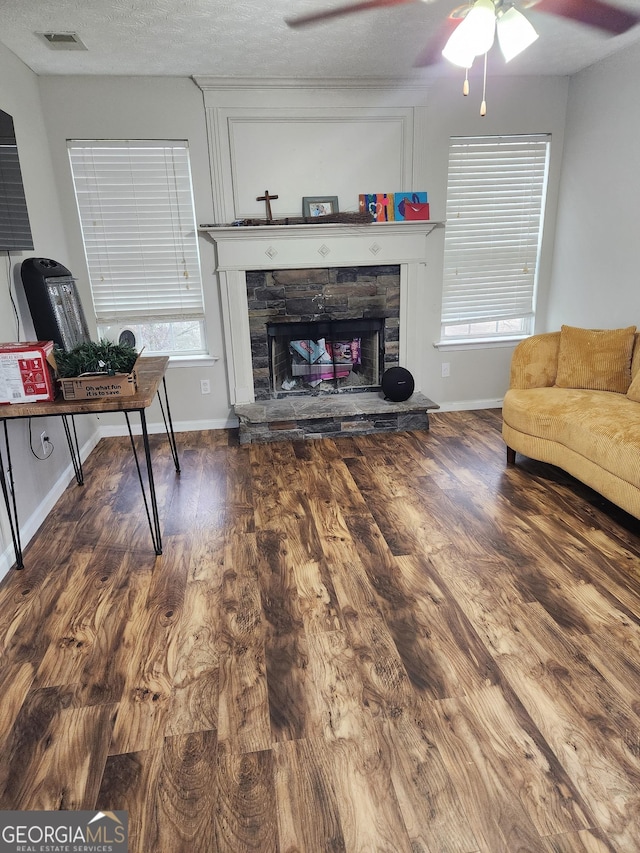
[(596, 269), (39, 483)]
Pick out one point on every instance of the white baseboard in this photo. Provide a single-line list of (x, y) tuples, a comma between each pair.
[(178, 426), (468, 405), (29, 528)]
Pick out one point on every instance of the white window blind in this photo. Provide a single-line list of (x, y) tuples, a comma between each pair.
[(495, 204), (135, 203)]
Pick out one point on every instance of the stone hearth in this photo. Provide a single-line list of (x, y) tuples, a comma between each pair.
[(330, 416)]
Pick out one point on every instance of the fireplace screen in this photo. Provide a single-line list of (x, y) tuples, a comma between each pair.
[(325, 356)]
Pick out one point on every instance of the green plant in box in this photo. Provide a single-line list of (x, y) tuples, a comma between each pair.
[(103, 357)]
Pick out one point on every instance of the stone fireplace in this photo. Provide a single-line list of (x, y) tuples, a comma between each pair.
[(275, 274), (242, 251)]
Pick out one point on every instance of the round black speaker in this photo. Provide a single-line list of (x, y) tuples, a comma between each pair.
[(397, 384)]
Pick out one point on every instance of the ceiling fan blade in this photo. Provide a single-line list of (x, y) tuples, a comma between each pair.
[(339, 11), (432, 52), (595, 13)]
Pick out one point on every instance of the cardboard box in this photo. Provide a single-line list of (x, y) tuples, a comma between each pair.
[(97, 385), (27, 372)]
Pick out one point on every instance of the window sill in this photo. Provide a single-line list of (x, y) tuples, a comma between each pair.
[(479, 343), (191, 360)]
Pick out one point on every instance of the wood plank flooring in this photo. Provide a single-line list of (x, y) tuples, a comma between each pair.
[(380, 643)]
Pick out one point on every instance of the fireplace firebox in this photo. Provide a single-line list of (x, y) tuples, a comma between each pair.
[(325, 356), (366, 299)]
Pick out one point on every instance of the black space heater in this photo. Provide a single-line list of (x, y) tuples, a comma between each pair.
[(54, 303)]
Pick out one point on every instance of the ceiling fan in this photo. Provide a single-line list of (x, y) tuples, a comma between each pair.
[(596, 13)]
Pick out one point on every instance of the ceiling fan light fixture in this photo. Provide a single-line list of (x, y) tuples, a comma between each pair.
[(457, 50), (515, 33), (473, 36)]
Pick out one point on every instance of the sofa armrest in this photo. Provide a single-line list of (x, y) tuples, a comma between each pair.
[(534, 363)]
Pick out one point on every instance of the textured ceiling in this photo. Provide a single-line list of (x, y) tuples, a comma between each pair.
[(248, 38)]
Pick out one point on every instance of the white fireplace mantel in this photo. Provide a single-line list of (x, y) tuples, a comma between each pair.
[(273, 247)]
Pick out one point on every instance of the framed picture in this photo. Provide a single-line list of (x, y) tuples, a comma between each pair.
[(319, 205)]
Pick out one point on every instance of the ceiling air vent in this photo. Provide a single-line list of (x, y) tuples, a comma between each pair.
[(62, 41)]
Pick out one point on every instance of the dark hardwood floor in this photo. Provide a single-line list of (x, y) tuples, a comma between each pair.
[(388, 643)]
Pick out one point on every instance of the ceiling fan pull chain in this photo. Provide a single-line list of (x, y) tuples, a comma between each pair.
[(483, 105), (465, 85)]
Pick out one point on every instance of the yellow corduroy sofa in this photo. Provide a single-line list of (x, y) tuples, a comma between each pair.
[(592, 432)]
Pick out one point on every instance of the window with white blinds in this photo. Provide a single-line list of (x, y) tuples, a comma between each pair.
[(136, 209), (495, 206)]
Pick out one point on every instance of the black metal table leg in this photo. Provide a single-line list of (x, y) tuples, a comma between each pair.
[(74, 448), (168, 424), (10, 501), (152, 515)]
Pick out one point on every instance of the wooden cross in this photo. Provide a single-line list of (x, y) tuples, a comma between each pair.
[(267, 198)]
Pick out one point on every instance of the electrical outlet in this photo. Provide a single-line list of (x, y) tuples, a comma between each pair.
[(205, 386), (446, 369), (44, 441)]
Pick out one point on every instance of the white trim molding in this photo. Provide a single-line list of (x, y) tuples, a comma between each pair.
[(107, 431), (290, 136)]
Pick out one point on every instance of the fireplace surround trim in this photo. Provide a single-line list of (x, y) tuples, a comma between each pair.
[(268, 247)]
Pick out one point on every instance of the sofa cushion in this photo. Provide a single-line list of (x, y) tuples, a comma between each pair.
[(601, 426), (595, 359), (634, 389)]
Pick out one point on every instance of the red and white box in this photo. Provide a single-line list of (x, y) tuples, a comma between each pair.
[(27, 372)]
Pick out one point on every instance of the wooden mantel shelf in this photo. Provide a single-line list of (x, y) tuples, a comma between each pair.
[(253, 247), (329, 229)]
